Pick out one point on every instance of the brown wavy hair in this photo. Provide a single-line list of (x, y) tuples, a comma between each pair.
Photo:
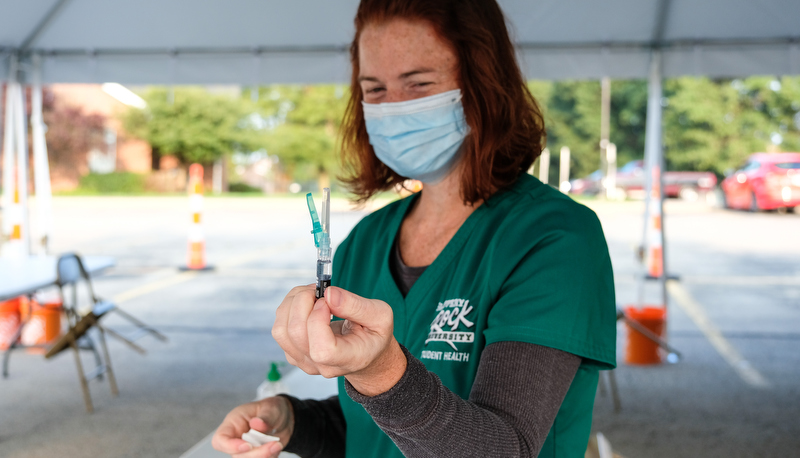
[(506, 124)]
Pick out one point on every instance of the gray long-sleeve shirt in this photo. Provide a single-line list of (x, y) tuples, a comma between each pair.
[(514, 400)]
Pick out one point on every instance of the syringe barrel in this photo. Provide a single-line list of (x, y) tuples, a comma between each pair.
[(323, 276)]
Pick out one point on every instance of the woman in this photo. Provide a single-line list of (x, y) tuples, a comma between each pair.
[(475, 314)]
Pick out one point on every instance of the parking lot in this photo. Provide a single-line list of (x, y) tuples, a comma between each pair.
[(737, 323)]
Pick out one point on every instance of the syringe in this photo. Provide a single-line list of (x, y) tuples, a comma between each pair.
[(322, 239)]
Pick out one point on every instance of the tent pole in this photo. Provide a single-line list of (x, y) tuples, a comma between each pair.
[(605, 129), (41, 168), (8, 149), (21, 139), (652, 237)]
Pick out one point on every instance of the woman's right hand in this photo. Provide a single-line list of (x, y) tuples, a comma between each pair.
[(273, 416)]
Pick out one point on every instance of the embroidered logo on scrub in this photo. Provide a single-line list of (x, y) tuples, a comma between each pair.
[(451, 314)]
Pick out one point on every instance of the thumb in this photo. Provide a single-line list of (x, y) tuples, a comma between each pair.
[(259, 425), (355, 308)]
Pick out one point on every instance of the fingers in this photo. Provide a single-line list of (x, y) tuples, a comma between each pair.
[(311, 342), (266, 450), (271, 416), (297, 329), (270, 450), (228, 437), (369, 313), (322, 346), (289, 330), (282, 314), (260, 425), (228, 444), (276, 418), (338, 327), (297, 289)]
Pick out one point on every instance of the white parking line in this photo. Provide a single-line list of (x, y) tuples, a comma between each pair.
[(148, 288), (743, 368)]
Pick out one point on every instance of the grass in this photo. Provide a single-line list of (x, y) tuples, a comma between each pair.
[(115, 183)]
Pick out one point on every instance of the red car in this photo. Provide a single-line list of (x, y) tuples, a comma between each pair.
[(767, 181)]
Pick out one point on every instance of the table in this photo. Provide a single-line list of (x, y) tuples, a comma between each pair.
[(27, 275)]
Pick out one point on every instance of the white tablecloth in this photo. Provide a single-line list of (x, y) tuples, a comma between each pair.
[(27, 275)]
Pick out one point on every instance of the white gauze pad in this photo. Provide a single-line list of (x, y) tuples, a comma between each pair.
[(257, 438)]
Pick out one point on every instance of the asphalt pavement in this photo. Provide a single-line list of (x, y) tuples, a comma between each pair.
[(735, 393)]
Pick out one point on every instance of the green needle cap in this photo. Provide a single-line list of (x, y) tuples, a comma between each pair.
[(316, 226)]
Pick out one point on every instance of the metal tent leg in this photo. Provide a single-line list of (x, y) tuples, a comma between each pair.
[(612, 381)]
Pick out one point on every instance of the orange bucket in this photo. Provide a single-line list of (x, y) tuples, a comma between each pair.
[(44, 326), (640, 349), (9, 321), (24, 308)]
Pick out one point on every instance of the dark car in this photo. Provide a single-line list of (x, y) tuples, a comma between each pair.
[(589, 185), (630, 180)]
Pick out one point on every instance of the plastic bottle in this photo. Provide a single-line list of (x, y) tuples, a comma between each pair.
[(272, 385)]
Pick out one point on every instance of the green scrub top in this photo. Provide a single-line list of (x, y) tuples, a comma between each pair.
[(528, 265)]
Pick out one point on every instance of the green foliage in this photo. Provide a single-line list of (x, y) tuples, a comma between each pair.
[(572, 118), (304, 122), (715, 125), (243, 187), (708, 124), (193, 124), (112, 183), (318, 105), (628, 118), (299, 144)]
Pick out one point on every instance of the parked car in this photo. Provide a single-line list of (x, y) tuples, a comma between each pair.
[(630, 179), (590, 185), (767, 181)]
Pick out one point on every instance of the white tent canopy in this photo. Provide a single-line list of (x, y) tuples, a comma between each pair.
[(266, 41)]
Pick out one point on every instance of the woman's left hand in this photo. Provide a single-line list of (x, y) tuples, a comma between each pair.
[(361, 347)]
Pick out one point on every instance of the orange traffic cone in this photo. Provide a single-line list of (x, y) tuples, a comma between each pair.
[(655, 251), (16, 244), (196, 258)]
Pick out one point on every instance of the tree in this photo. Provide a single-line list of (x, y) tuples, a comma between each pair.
[(302, 124), (572, 118), (710, 125), (306, 152), (70, 135), (193, 124), (715, 124), (628, 118)]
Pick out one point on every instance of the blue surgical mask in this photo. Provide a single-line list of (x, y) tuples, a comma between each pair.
[(420, 138)]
